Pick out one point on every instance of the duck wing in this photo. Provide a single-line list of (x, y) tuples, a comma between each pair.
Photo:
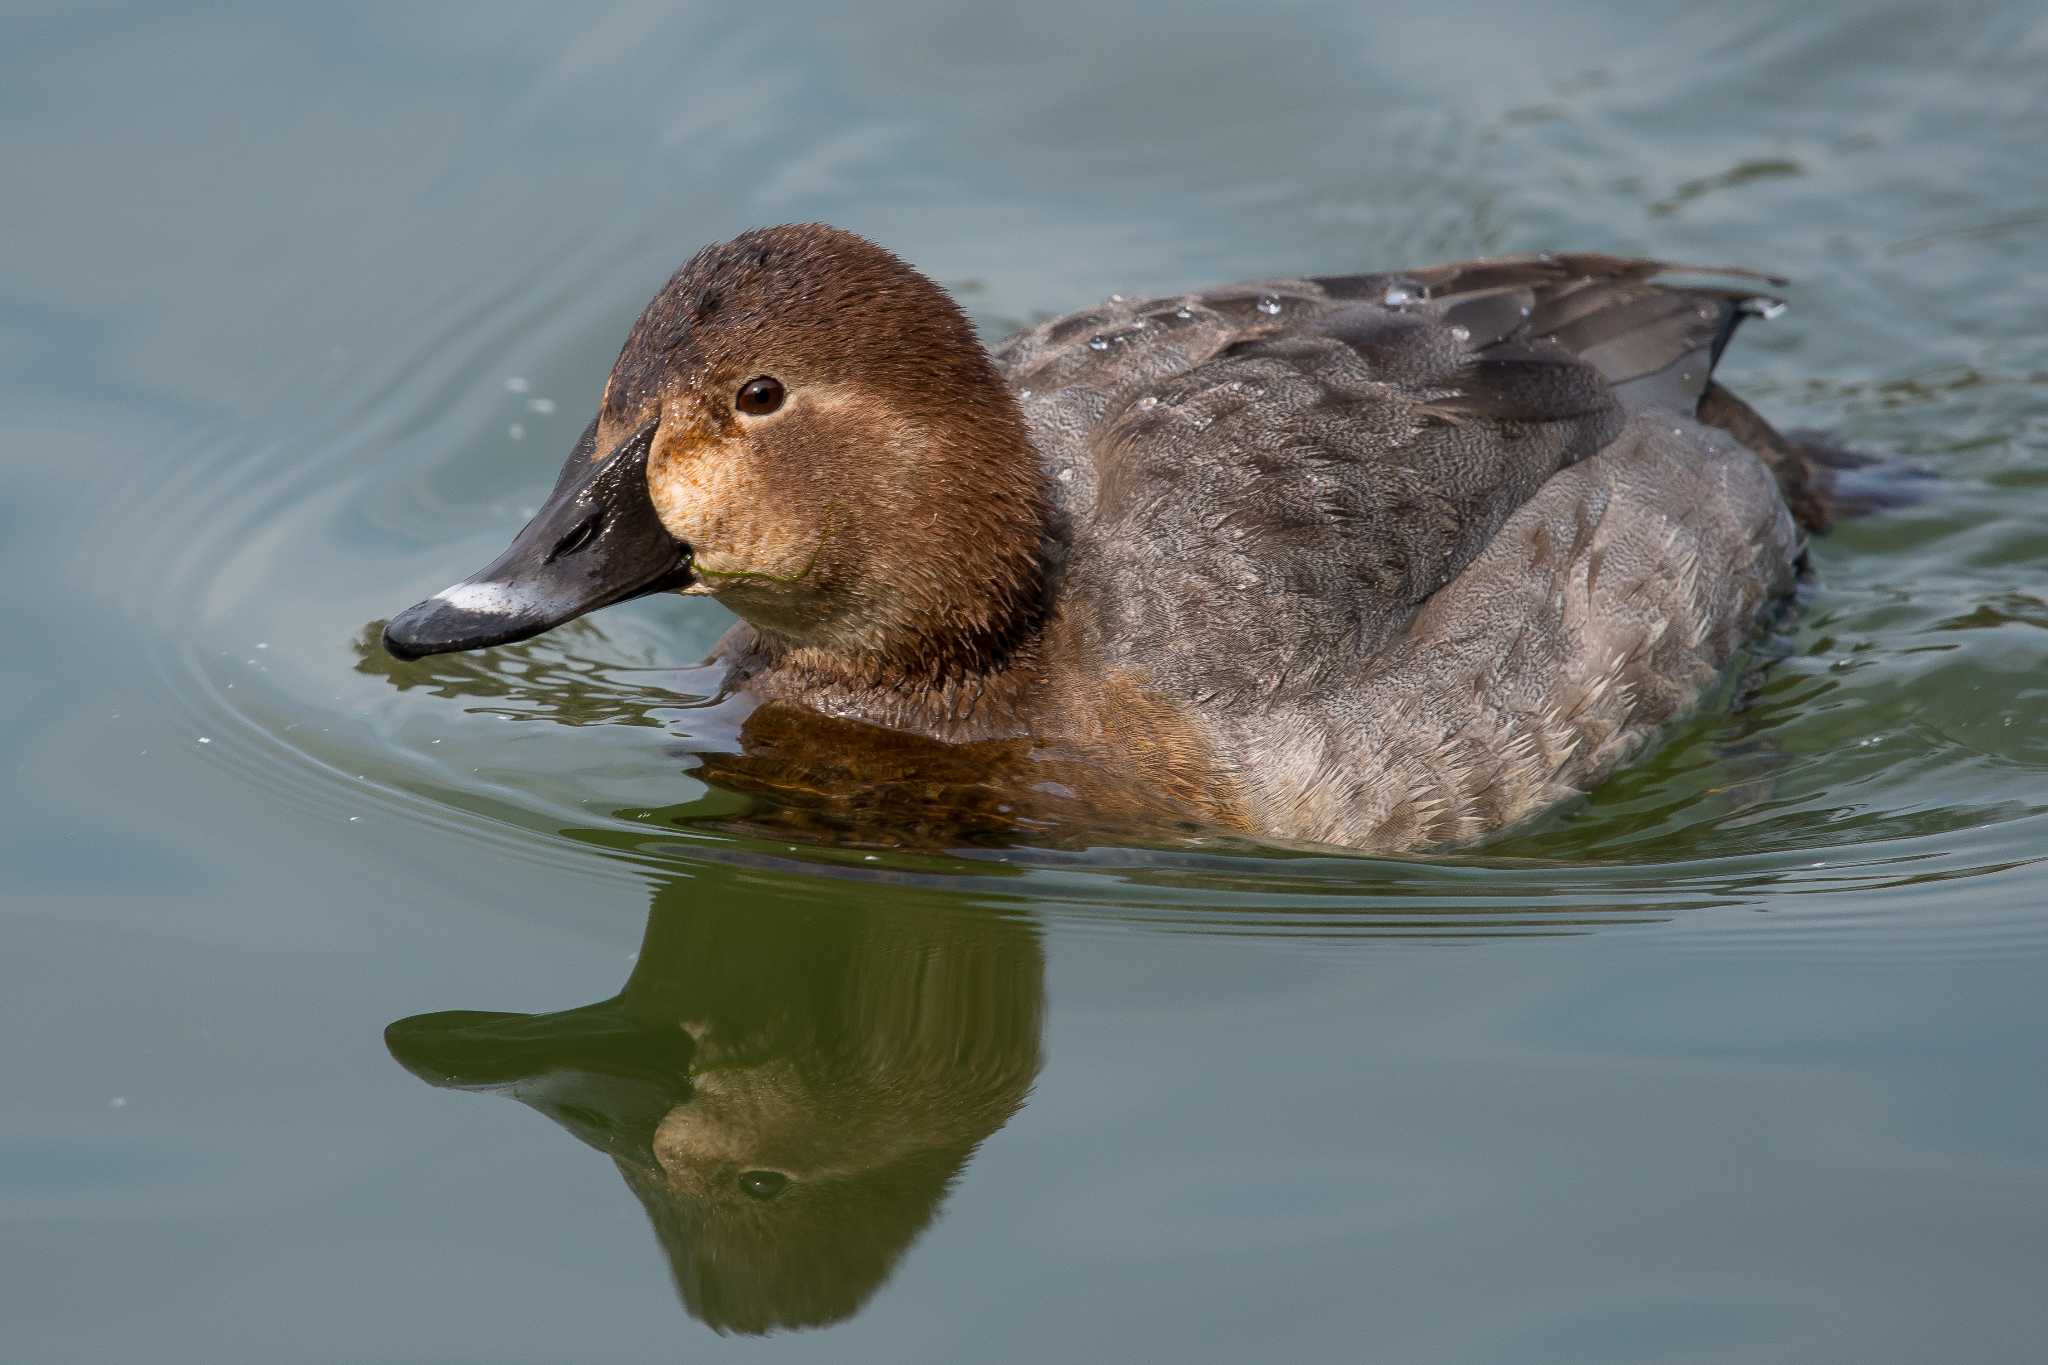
[(1654, 343), (1263, 483)]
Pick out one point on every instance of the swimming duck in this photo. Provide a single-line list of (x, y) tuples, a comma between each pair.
[(1382, 561)]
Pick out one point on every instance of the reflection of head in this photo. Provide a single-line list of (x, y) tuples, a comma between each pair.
[(789, 1089), (811, 1257), (848, 1066)]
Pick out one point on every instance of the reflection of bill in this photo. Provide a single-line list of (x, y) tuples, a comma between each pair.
[(790, 1089)]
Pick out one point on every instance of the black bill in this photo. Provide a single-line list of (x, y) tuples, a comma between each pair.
[(606, 1074), (596, 541)]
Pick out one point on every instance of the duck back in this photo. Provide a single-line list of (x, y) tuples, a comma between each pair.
[(1423, 552)]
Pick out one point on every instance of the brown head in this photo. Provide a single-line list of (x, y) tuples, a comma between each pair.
[(807, 429)]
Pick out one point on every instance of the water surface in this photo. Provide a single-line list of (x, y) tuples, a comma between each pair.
[(352, 1011)]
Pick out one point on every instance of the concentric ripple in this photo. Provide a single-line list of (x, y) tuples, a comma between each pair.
[(1880, 768)]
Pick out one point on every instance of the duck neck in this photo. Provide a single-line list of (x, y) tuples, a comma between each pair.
[(980, 608), (955, 612)]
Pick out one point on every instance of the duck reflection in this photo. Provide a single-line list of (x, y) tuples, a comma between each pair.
[(794, 774), (790, 1088)]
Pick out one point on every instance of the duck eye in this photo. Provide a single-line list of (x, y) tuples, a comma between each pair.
[(759, 396), (763, 1185)]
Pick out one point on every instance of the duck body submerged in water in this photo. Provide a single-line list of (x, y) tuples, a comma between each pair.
[(1382, 561)]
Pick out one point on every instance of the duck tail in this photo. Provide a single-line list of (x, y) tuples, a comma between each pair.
[(1656, 344), (1822, 481)]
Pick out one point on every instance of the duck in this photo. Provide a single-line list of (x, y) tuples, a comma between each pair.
[(1385, 562)]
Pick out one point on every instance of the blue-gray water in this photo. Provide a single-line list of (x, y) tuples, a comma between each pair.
[(1740, 1060)]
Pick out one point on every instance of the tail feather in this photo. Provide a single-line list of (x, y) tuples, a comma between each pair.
[(1823, 482), (1802, 476), (1656, 344)]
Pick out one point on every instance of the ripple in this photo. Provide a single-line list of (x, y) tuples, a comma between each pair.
[(1874, 777)]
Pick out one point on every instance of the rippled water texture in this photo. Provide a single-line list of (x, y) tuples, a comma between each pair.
[(1738, 1060)]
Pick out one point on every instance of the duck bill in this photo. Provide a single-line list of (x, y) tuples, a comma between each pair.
[(603, 1073), (597, 541)]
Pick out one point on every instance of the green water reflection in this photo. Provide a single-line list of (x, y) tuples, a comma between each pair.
[(790, 1086)]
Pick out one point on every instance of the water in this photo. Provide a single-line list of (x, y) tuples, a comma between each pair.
[(1739, 1060)]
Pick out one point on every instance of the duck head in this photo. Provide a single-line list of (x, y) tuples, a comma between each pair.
[(805, 428)]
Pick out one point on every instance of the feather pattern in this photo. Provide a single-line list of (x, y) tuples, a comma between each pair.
[(1423, 552)]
